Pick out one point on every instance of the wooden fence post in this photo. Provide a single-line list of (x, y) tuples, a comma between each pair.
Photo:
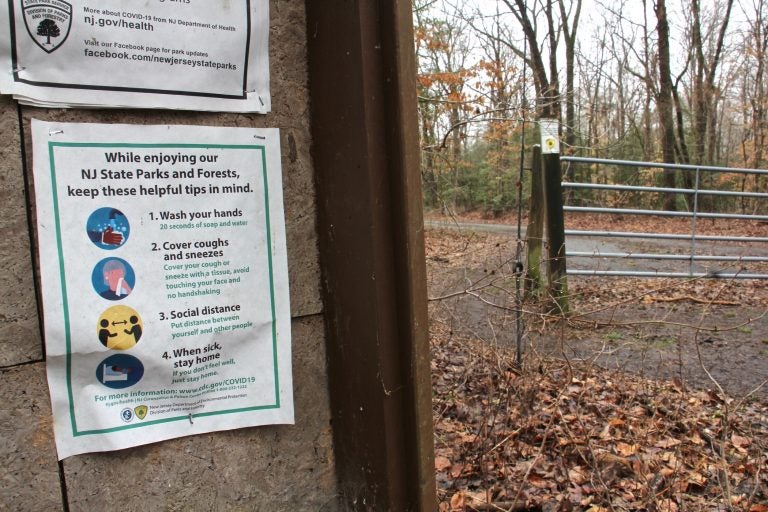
[(534, 233), (557, 280)]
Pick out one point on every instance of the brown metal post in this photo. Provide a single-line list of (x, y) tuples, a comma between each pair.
[(365, 151)]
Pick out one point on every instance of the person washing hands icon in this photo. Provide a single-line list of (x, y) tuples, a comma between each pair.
[(108, 228)]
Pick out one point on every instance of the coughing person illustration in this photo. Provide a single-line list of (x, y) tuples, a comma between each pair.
[(113, 278)]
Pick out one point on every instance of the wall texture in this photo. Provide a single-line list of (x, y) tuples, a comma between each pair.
[(268, 468)]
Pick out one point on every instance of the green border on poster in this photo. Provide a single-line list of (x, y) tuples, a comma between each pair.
[(60, 254)]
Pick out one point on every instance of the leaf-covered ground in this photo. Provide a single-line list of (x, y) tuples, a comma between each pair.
[(573, 433), (554, 436)]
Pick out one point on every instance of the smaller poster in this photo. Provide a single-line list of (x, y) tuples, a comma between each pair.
[(180, 54), (164, 281), (550, 137)]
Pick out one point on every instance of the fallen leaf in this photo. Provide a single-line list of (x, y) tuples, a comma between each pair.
[(457, 470), (625, 450), (740, 441), (667, 506), (578, 475), (668, 442), (538, 481), (617, 422), (458, 502), (697, 479), (480, 497), (442, 463)]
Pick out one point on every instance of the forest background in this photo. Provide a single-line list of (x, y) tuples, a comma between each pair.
[(583, 423), (679, 81)]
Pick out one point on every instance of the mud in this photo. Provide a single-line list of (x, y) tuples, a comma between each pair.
[(705, 334)]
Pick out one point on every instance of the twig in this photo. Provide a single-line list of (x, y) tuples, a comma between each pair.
[(744, 398), (597, 323), (504, 506), (725, 481), (696, 300), (545, 437)]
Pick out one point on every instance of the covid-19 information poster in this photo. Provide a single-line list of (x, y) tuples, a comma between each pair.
[(164, 281), (183, 54)]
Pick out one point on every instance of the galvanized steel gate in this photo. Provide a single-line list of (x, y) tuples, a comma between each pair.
[(737, 257)]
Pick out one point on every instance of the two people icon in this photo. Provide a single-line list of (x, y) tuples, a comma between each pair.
[(119, 328)]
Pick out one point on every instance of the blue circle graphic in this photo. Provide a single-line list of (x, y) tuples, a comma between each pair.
[(120, 371), (113, 278), (108, 228), (126, 414)]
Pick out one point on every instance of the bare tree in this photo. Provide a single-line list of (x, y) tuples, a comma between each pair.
[(545, 75), (569, 36), (664, 101), (707, 56), (754, 89)]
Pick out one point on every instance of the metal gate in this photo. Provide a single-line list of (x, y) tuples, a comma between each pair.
[(656, 254)]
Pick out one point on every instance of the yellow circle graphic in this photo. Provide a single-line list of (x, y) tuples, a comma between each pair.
[(119, 328)]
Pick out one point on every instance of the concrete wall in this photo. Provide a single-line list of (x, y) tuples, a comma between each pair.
[(287, 468)]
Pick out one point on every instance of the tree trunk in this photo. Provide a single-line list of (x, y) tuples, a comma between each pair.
[(665, 104), (569, 34)]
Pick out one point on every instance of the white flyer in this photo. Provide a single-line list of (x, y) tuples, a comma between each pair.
[(550, 138), (207, 55), (164, 281)]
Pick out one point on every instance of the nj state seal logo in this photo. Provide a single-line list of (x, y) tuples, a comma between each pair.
[(127, 415), (48, 22)]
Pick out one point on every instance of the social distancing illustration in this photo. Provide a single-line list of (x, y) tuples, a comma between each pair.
[(119, 328)]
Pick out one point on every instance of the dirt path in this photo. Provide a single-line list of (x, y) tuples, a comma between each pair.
[(703, 333)]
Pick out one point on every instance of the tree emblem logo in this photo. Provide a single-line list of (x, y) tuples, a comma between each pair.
[(48, 22), (141, 411)]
